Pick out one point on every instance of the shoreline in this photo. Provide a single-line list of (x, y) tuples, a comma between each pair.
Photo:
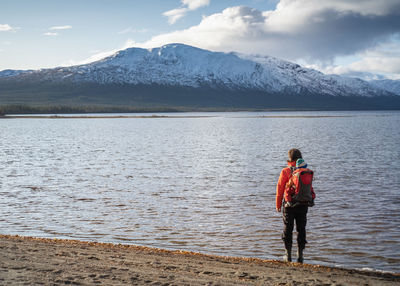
[(174, 113), (159, 116), (33, 260)]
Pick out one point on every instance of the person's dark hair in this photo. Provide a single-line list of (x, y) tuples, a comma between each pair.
[(294, 154)]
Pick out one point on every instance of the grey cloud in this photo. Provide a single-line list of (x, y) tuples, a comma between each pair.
[(316, 31), (339, 35)]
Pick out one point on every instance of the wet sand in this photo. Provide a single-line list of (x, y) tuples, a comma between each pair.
[(35, 261)]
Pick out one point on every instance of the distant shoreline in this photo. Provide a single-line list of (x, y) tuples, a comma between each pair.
[(93, 117), (109, 111), (44, 261), (157, 116)]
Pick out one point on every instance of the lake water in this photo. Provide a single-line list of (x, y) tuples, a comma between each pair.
[(206, 184)]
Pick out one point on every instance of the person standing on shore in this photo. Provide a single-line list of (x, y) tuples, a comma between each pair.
[(293, 212)]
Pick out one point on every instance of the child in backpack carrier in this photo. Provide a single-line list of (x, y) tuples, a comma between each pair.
[(299, 190)]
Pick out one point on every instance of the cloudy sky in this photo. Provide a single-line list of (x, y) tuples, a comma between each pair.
[(353, 37)]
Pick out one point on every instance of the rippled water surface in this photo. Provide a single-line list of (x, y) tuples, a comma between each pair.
[(206, 184)]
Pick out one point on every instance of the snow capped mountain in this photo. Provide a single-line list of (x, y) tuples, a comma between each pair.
[(7, 73), (182, 65), (392, 86)]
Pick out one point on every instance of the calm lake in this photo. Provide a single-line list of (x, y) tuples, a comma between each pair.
[(206, 183)]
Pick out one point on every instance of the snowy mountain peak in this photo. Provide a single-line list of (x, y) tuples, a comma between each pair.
[(183, 65)]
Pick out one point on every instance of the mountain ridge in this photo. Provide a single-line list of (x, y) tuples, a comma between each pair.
[(178, 64), (188, 76)]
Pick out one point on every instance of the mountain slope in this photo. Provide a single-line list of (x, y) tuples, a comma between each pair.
[(182, 65), (389, 85), (9, 73), (181, 75)]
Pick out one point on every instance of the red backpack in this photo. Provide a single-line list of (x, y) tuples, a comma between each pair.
[(299, 188)]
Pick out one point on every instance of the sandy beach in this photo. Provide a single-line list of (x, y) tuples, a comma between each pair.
[(113, 116), (36, 261)]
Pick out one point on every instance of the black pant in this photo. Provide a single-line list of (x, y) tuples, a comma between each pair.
[(290, 214)]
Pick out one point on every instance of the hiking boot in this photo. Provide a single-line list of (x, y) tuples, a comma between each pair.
[(288, 255), (300, 257)]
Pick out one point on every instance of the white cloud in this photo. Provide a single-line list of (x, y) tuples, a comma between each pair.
[(381, 61), (187, 5), (56, 28), (376, 63), (222, 31), (132, 30), (312, 30), (175, 14), (7, 28), (195, 4), (52, 34), (66, 27)]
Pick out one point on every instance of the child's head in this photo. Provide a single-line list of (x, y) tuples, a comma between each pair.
[(300, 163), (294, 154)]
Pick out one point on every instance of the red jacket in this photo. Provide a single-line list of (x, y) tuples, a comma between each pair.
[(284, 177)]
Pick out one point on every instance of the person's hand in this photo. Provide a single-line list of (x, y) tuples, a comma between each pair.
[(278, 210)]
